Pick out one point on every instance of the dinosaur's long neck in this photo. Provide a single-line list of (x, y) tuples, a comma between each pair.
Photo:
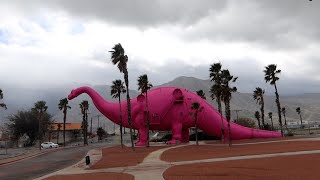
[(110, 110)]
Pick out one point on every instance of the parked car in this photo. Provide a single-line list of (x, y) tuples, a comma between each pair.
[(49, 145), (164, 138)]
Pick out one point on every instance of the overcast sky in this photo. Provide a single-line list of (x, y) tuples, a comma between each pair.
[(58, 42)]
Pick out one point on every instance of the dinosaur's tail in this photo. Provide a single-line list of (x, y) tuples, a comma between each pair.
[(210, 122)]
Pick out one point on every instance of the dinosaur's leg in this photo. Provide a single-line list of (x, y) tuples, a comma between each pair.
[(176, 133), (142, 130), (185, 136)]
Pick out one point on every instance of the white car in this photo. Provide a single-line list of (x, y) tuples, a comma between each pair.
[(49, 145)]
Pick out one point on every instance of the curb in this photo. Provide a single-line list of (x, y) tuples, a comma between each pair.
[(27, 156)]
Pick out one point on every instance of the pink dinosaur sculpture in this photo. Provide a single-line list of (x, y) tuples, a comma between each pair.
[(170, 109)]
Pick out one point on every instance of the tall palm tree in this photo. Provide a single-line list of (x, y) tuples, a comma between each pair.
[(283, 110), (216, 90), (257, 116), (2, 105), (119, 58), (226, 95), (39, 108), (270, 116), (196, 107), (63, 105), (84, 106), (144, 85), (201, 94), (116, 89), (258, 95), (298, 110), (271, 73)]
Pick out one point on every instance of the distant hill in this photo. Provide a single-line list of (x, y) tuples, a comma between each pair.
[(17, 99), (309, 103)]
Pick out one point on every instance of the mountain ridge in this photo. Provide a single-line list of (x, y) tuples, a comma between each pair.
[(18, 99)]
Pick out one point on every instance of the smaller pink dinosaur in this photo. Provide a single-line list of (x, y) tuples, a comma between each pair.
[(170, 109)]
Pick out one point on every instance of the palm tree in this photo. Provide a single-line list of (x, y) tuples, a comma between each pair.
[(226, 95), (2, 105), (144, 85), (201, 94), (116, 89), (298, 110), (257, 116), (271, 73), (84, 106), (58, 132), (283, 110), (63, 105), (216, 90), (196, 107), (258, 95), (119, 58), (39, 108), (270, 116)]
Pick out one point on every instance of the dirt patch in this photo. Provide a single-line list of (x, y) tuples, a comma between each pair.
[(287, 167), (194, 152), (101, 176), (121, 157)]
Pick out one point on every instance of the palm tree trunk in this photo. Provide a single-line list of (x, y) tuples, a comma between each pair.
[(64, 125), (227, 103), (259, 125), (40, 130), (285, 119), (262, 111), (148, 120), (86, 125), (120, 123), (279, 108), (84, 128), (301, 120), (222, 125), (271, 123), (128, 105), (196, 127)]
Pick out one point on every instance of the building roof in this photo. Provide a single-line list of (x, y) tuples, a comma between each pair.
[(69, 126)]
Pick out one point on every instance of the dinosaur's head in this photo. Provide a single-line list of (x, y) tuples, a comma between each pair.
[(73, 94)]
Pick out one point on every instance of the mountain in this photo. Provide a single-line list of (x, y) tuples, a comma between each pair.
[(309, 103), (17, 99)]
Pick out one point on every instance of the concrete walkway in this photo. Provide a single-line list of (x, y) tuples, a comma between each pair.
[(153, 167)]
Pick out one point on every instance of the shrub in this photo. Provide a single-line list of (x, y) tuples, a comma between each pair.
[(247, 122)]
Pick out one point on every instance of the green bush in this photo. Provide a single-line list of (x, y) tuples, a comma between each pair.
[(247, 122), (290, 133)]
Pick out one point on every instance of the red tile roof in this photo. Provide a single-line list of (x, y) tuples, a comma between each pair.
[(69, 126)]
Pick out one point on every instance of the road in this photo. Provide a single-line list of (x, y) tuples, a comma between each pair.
[(46, 163)]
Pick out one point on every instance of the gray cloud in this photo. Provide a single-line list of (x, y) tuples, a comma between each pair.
[(128, 12), (287, 24)]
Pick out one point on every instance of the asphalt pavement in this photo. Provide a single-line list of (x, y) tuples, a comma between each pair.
[(47, 163)]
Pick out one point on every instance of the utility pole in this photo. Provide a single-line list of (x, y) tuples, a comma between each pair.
[(91, 126)]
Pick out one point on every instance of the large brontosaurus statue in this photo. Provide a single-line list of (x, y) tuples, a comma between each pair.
[(170, 109)]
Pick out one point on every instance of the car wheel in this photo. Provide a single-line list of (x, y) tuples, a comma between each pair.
[(50, 146)]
